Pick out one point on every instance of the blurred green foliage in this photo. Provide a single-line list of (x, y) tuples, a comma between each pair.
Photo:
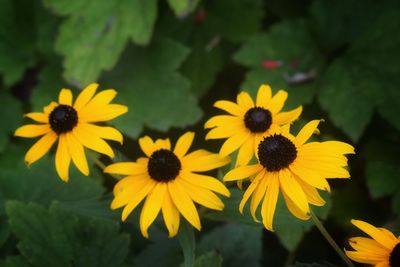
[(169, 61)]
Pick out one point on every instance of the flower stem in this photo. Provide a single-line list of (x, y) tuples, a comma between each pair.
[(102, 166), (330, 240)]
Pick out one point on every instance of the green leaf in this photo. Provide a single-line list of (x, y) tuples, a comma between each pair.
[(239, 245), (290, 45), (10, 110), (15, 261), (210, 259), (298, 264), (104, 31), (188, 243), (57, 238), (288, 228), (233, 20), (17, 45), (182, 8), (144, 77), (40, 182), (365, 78)]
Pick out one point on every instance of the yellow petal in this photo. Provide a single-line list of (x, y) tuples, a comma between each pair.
[(244, 100), (105, 113), (171, 215), (277, 102), (137, 198), (224, 132), (269, 204), (230, 107), (203, 163), (77, 153), (32, 130), (369, 246), (312, 194), (223, 120), (40, 148), (128, 187), (163, 144), (202, 196), (375, 233), (126, 168), (184, 204), (306, 132), (258, 196), (205, 181), (183, 144), (249, 191), (242, 172), (362, 257), (38, 116), (85, 96), (311, 177), (147, 145), (233, 143), (293, 190), (65, 97), (294, 209), (63, 159), (49, 108), (152, 207), (92, 141), (196, 154), (263, 95), (246, 152), (100, 100), (287, 117), (104, 132)]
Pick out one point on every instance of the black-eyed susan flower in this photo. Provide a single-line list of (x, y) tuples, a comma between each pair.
[(248, 122), (169, 181), (382, 250), (294, 167), (72, 125)]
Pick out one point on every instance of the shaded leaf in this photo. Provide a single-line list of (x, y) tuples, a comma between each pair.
[(187, 242), (157, 96), (104, 31), (10, 110), (210, 259), (182, 8)]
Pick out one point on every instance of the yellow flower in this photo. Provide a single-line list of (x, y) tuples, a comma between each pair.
[(382, 250), (298, 169), (72, 126), (169, 182), (249, 122)]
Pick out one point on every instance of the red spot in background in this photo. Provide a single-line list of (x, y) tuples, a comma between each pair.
[(200, 15), (271, 64)]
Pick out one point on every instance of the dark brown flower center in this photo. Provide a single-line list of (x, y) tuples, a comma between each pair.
[(276, 152), (164, 165), (394, 258), (258, 120), (63, 119)]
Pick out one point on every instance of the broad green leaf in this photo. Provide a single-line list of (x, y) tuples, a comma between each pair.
[(365, 78), (210, 259), (233, 20), (15, 261), (188, 243), (11, 117), (290, 45), (53, 237), (40, 182), (383, 170), (17, 42), (182, 8), (157, 96), (104, 31), (289, 229), (239, 245)]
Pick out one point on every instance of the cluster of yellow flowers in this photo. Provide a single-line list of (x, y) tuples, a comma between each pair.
[(169, 179)]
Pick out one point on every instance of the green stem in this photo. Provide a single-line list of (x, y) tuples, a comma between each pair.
[(330, 240), (102, 166)]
